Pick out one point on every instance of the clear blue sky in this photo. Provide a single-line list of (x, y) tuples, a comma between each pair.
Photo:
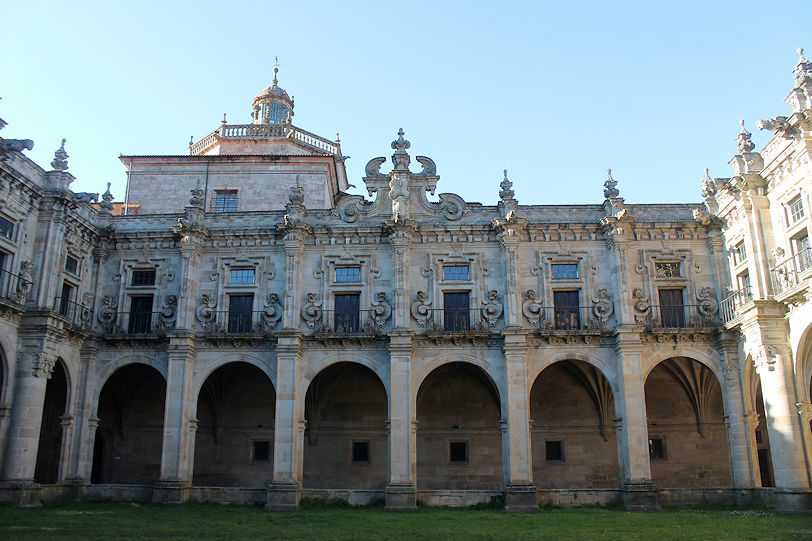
[(555, 92)]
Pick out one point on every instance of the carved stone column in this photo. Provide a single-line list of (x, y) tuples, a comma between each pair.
[(192, 234), (509, 232), (401, 490), (639, 492), (400, 236), (77, 442), (741, 458), (520, 493), (285, 489), (178, 446), (33, 369)]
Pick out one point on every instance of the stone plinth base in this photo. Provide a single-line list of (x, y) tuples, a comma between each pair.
[(171, 492), (641, 497), (400, 497), (520, 498), (20, 494), (282, 496)]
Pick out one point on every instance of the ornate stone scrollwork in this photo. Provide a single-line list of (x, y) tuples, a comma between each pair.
[(373, 168), (602, 307), (533, 309), (708, 306), (429, 167), (85, 311), (272, 312), (773, 124), (24, 282), (205, 313), (452, 206), (764, 358), (42, 364), (168, 313), (492, 308), (198, 198), (311, 311), (107, 313), (642, 307), (421, 309), (381, 310)]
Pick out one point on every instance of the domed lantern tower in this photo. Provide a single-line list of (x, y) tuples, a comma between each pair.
[(272, 105)]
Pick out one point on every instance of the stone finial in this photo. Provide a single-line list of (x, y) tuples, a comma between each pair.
[(198, 197), (506, 194), (610, 190), (224, 120), (401, 158), (743, 142), (803, 69), (60, 162), (107, 200), (708, 185), (296, 193), (191, 140)]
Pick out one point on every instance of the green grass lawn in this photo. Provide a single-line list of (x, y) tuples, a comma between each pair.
[(107, 520)]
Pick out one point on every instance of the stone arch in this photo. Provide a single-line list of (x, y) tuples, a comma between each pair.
[(55, 406), (803, 364), (757, 425), (459, 436), (235, 408), (346, 441), (685, 408), (210, 367), (130, 406), (602, 365), (491, 371), (705, 355), (108, 369), (319, 364), (573, 439)]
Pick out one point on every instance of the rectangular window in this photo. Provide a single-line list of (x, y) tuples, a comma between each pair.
[(565, 271), (672, 308), (225, 201), (347, 312), (802, 253), (6, 228), (455, 272), (739, 253), (667, 270), (262, 451), (796, 210), (3, 257), (656, 448), (743, 282), (240, 309), (554, 450), (348, 275), (241, 276), (140, 315), (566, 310), (360, 451), (71, 265), (145, 277), (456, 313), (66, 299), (458, 452)]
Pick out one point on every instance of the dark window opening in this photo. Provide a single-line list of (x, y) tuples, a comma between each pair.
[(566, 310), (672, 308), (262, 451), (6, 228), (759, 437), (347, 312), (360, 451), (66, 300), (71, 265), (656, 448), (143, 277), (140, 315), (240, 308), (565, 271), (458, 452), (456, 313), (455, 272), (348, 274), (554, 450)]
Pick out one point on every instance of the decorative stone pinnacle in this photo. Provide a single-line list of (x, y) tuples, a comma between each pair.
[(297, 193), (801, 59), (107, 200), (338, 139), (224, 118), (708, 185), (60, 162), (743, 142), (401, 158), (191, 140), (275, 69), (506, 194), (803, 69), (197, 199), (400, 143), (610, 190)]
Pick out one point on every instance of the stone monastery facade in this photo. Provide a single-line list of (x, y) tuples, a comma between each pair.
[(240, 329)]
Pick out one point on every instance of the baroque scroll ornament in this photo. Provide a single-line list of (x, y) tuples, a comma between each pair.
[(642, 307), (532, 308), (381, 310), (492, 309), (421, 309), (272, 312), (602, 307), (205, 313), (311, 311)]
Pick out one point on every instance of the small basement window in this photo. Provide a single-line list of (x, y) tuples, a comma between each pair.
[(656, 448), (262, 451), (458, 452), (144, 277), (554, 450), (360, 451)]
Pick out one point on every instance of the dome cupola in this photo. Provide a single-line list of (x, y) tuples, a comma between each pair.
[(272, 105)]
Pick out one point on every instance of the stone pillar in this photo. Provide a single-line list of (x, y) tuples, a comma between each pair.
[(639, 492), (285, 490), (78, 439), (805, 411), (178, 446), (741, 458), (752, 419), (32, 373), (520, 493), (401, 490)]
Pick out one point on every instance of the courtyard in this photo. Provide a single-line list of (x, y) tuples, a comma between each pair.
[(69, 520)]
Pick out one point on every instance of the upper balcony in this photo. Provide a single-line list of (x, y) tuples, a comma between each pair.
[(791, 275), (264, 132), (13, 289)]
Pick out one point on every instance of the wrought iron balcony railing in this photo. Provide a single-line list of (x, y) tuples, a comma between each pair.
[(78, 315), (239, 322), (731, 305), (791, 272), (569, 318), (685, 316), (135, 324), (14, 287)]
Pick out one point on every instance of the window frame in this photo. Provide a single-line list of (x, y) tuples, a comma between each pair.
[(223, 205), (663, 454), (7, 233), (362, 461), (449, 272), (557, 271), (795, 210), (739, 253), (561, 456), (562, 313), (456, 319), (268, 450), (143, 272), (350, 320), (467, 452), (233, 270), (351, 278), (237, 320), (75, 266)]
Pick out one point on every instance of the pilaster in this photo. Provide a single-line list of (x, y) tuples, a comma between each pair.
[(78, 440), (400, 237), (401, 490)]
